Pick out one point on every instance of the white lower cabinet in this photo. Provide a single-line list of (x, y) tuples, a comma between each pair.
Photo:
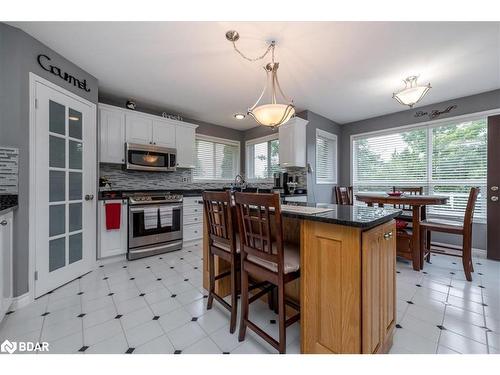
[(6, 221), (192, 219), (112, 242)]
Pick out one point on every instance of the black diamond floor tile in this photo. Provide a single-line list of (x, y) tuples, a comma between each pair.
[(83, 348)]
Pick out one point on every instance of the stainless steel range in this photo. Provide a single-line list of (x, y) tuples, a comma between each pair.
[(154, 224)]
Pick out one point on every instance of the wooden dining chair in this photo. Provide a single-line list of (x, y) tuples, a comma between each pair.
[(463, 229), (407, 209), (343, 195), (265, 256), (222, 242)]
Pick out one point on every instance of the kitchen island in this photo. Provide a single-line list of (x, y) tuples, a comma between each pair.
[(348, 270)]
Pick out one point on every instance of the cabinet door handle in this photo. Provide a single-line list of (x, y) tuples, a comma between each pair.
[(388, 235), (3, 222)]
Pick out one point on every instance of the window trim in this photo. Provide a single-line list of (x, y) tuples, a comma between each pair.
[(325, 134), (251, 142), (229, 142), (428, 126)]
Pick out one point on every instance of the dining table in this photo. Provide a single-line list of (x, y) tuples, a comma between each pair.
[(417, 204)]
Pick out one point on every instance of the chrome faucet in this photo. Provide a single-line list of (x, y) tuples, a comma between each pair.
[(239, 181)]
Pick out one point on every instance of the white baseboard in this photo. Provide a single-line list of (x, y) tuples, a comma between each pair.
[(21, 301), (111, 259), (477, 253)]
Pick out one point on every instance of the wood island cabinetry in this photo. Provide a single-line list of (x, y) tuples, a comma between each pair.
[(347, 283)]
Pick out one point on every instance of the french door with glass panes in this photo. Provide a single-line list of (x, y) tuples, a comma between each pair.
[(64, 143)]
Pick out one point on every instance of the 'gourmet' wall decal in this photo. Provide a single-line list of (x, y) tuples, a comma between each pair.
[(43, 61)]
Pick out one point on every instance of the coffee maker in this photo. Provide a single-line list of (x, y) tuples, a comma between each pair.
[(281, 182)]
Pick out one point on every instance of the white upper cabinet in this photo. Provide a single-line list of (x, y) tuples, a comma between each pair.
[(112, 133), (163, 134), (118, 125), (185, 139), (292, 136), (139, 129)]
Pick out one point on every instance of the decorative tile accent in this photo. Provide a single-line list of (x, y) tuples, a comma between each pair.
[(81, 315), (138, 180), (130, 351), (83, 348), (9, 162), (178, 352)]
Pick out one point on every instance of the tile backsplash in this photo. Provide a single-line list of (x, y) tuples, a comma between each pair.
[(9, 161), (181, 179)]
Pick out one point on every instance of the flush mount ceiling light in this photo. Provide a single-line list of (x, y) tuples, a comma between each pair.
[(273, 113), (412, 93), (239, 116)]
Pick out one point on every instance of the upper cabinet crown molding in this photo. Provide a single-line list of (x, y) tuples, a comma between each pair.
[(292, 137), (119, 125)]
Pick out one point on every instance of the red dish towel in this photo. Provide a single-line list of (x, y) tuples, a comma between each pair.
[(113, 212)]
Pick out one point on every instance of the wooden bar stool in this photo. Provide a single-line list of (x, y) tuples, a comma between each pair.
[(343, 195), (265, 256), (448, 226), (221, 224)]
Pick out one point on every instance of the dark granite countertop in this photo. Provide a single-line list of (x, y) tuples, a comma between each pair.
[(8, 202), (353, 216), (121, 194)]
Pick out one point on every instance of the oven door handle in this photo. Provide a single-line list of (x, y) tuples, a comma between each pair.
[(140, 209)]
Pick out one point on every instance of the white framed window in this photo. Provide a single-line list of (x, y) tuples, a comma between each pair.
[(217, 159), (447, 158), (326, 157), (262, 158)]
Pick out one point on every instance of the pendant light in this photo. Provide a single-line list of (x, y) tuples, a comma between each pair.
[(279, 108), (412, 93)]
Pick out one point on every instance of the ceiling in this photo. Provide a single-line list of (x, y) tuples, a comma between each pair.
[(345, 71)]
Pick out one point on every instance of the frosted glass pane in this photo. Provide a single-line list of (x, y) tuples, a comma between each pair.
[(75, 216), (56, 118), (75, 248), (57, 186), (57, 253), (57, 152), (75, 124), (75, 186), (57, 220), (75, 155)]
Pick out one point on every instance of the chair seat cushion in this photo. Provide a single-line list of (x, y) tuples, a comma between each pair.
[(291, 259), (226, 247)]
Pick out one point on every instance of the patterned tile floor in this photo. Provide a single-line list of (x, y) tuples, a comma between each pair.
[(158, 305)]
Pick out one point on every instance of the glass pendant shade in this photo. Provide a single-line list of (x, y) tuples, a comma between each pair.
[(273, 114), (412, 93)]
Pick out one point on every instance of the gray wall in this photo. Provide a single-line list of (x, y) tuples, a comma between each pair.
[(18, 57), (466, 105), (319, 192)]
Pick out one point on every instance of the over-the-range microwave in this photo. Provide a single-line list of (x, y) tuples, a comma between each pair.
[(150, 158)]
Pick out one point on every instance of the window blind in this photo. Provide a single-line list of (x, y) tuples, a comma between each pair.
[(444, 159), (326, 158), (262, 158), (216, 159)]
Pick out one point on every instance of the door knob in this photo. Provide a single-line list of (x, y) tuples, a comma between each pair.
[(89, 197), (494, 198), (3, 223)]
